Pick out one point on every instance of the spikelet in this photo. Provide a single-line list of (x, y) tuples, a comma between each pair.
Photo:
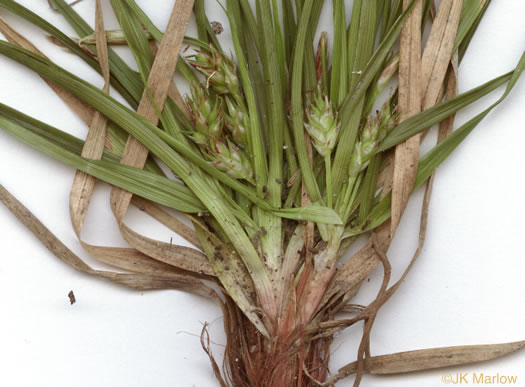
[(220, 72), (208, 115), (373, 134), (237, 121), (227, 157), (322, 124)]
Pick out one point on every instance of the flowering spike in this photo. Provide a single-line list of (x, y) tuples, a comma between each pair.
[(208, 117), (374, 132), (230, 159), (237, 121), (322, 123), (220, 72)]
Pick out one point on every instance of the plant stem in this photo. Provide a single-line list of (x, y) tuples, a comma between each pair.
[(349, 205), (350, 192), (328, 167)]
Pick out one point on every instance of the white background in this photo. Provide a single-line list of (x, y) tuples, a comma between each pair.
[(467, 287)]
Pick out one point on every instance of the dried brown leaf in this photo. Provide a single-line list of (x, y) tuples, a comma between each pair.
[(173, 91), (427, 359), (154, 97), (179, 256), (439, 49), (130, 259), (434, 63), (84, 184), (407, 153), (167, 220), (446, 126), (133, 280)]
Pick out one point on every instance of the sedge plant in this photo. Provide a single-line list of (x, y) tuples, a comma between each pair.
[(284, 152)]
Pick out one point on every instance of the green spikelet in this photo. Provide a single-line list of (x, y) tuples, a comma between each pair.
[(374, 132), (208, 115), (237, 121), (229, 158), (220, 72), (322, 124)]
